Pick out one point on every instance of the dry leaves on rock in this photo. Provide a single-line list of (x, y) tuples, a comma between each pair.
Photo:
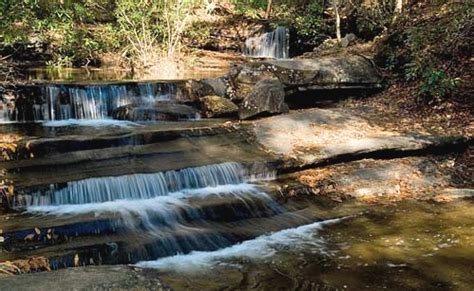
[(32, 264)]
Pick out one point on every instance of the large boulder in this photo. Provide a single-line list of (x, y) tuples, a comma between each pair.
[(216, 106), (266, 97), (156, 111), (340, 72), (243, 78), (350, 72)]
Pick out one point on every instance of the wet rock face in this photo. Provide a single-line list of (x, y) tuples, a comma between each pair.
[(266, 97), (216, 106), (157, 111)]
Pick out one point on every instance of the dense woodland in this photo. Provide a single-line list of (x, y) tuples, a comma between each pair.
[(424, 42)]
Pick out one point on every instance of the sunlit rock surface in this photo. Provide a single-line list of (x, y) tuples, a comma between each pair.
[(315, 135)]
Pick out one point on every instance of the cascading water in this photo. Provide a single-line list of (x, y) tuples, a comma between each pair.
[(149, 216), (62, 102), (139, 186), (273, 44)]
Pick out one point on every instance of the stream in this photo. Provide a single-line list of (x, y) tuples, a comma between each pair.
[(202, 205)]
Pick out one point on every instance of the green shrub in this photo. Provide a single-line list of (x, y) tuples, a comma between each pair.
[(310, 23), (437, 84)]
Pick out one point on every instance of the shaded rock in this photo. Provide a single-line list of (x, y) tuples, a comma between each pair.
[(198, 89), (87, 278), (214, 106), (157, 111), (267, 96), (332, 43), (299, 75), (219, 86)]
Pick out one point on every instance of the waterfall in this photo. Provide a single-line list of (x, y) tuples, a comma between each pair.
[(159, 203), (62, 102), (211, 212), (273, 44), (138, 186)]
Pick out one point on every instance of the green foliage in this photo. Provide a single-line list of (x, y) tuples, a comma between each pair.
[(437, 84), (139, 29), (251, 8), (428, 47), (16, 18), (310, 23), (62, 24), (413, 71), (373, 19)]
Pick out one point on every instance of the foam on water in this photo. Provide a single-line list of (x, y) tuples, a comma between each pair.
[(171, 210), (260, 247)]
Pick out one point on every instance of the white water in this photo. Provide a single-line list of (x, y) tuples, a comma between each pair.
[(91, 123), (97, 102), (272, 44), (153, 204), (137, 186), (169, 210), (261, 247), (89, 102)]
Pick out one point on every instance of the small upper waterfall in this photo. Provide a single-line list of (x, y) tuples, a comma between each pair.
[(273, 44), (62, 102)]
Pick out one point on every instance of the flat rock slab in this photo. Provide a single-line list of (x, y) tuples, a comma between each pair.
[(316, 135), (181, 151), (86, 278), (388, 180)]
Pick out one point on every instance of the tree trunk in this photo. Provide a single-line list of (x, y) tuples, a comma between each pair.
[(335, 4), (398, 6), (398, 9), (269, 9)]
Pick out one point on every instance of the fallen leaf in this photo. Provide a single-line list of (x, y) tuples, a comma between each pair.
[(76, 260), (29, 237)]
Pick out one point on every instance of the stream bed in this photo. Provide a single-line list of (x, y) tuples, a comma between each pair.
[(198, 203), (407, 246)]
